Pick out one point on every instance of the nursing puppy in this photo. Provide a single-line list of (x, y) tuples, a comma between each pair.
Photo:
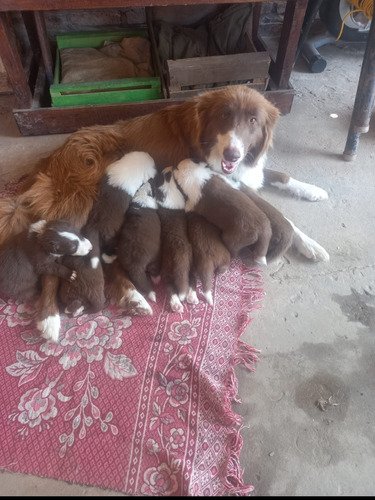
[(86, 293), (241, 222), (138, 249), (116, 189), (35, 252), (210, 255), (176, 250)]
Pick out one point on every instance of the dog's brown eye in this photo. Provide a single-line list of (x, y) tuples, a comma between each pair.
[(252, 120)]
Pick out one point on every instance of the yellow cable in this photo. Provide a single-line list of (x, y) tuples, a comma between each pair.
[(365, 6)]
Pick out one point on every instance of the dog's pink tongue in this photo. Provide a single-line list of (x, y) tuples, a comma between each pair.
[(228, 167)]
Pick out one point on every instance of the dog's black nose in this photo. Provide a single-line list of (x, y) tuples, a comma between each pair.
[(231, 154)]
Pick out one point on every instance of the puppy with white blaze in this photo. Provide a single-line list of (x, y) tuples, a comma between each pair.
[(35, 252), (138, 248), (241, 222), (86, 293), (116, 189), (177, 252)]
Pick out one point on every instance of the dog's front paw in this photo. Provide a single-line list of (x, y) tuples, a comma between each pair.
[(315, 193), (304, 190), (50, 327), (192, 297), (175, 304), (135, 304)]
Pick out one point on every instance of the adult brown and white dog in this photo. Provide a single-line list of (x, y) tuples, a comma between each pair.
[(230, 128)]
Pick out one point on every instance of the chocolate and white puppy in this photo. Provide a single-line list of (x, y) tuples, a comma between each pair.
[(86, 293), (138, 248), (116, 189), (34, 252), (241, 222), (210, 255), (177, 253)]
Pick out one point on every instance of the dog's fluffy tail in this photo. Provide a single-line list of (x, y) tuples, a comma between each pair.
[(14, 217)]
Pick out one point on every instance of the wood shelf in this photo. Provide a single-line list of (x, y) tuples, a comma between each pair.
[(34, 115)]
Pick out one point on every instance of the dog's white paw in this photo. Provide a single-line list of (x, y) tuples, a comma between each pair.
[(308, 247), (302, 190), (192, 297), (208, 296), (50, 327), (175, 304), (135, 303)]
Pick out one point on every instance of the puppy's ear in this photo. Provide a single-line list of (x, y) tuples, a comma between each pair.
[(270, 117), (159, 179)]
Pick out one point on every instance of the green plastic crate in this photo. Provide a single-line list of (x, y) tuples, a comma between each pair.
[(106, 91)]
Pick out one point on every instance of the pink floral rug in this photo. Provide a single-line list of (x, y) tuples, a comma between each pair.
[(140, 405)]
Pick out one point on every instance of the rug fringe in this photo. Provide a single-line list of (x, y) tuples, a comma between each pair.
[(252, 293), (233, 481)]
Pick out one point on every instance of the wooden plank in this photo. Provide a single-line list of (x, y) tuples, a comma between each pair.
[(44, 121), (186, 94), (8, 5), (12, 62), (217, 69)]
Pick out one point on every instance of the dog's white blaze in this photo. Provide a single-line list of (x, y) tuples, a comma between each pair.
[(84, 245), (131, 171), (307, 246), (229, 140), (302, 189), (152, 296), (135, 296), (253, 177), (173, 198), (50, 327), (37, 227), (143, 198), (192, 177), (94, 262)]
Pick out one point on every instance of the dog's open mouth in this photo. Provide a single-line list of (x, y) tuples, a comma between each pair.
[(228, 167)]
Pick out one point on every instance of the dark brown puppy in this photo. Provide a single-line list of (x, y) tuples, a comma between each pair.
[(210, 255), (138, 249), (177, 253), (241, 222), (86, 293), (34, 252)]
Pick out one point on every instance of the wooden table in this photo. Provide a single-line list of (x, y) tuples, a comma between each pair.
[(30, 78)]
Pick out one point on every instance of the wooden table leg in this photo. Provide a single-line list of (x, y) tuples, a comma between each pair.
[(12, 62), (281, 69), (364, 99)]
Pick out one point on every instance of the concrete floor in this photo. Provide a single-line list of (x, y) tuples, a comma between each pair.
[(308, 408)]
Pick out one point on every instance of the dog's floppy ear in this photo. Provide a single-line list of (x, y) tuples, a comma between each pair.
[(270, 117)]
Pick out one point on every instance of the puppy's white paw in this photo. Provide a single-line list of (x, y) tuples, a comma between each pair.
[(208, 296), (50, 327), (175, 304), (192, 297), (135, 303), (308, 247)]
